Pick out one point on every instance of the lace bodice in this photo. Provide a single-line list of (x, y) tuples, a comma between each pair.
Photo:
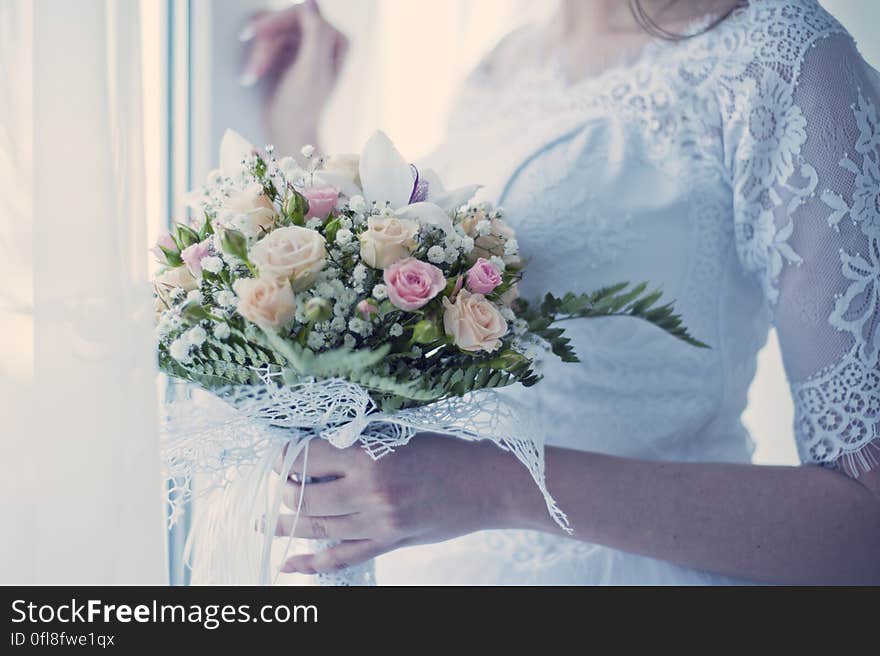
[(740, 171), (764, 131)]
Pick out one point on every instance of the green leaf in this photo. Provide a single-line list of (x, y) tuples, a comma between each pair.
[(186, 236), (172, 257), (614, 300), (234, 243)]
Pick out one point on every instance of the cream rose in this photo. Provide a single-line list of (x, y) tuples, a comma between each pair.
[(249, 211), (290, 253), (387, 240), (486, 246), (473, 322), (180, 277), (265, 302), (469, 224)]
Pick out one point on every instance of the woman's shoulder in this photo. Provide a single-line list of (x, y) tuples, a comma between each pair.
[(777, 33)]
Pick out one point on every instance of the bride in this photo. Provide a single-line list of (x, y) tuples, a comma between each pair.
[(729, 151)]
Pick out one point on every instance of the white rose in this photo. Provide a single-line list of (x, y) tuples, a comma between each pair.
[(387, 240), (265, 302), (254, 206), (172, 283), (290, 253), (473, 322)]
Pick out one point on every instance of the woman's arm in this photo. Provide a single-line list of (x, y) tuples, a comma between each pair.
[(297, 56), (779, 524)]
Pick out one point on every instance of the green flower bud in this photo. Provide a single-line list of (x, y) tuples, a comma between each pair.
[(508, 361), (318, 309), (296, 208), (234, 243), (171, 257), (194, 312), (426, 332)]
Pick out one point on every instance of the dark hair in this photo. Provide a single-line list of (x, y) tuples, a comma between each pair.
[(653, 28)]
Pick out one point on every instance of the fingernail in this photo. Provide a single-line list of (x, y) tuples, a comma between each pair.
[(247, 79), (247, 33)]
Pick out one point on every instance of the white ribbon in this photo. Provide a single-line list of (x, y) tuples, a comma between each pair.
[(227, 451)]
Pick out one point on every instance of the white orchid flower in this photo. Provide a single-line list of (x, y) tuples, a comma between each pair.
[(345, 184), (448, 200), (233, 149), (387, 178)]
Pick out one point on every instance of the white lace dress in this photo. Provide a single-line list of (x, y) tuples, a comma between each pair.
[(740, 170)]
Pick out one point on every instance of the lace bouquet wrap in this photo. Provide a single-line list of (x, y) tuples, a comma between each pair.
[(349, 299)]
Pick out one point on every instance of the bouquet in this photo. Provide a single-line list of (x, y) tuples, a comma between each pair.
[(354, 299)]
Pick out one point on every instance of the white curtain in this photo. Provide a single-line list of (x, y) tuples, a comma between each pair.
[(80, 492)]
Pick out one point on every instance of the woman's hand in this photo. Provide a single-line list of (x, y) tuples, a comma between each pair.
[(434, 489), (299, 55)]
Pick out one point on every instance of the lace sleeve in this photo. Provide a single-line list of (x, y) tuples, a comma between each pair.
[(806, 177)]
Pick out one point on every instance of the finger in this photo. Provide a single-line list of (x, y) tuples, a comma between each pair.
[(326, 499), (276, 24), (345, 554), (273, 24), (262, 58), (340, 50), (324, 461), (347, 527)]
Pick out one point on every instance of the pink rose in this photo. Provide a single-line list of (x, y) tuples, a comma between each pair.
[(483, 277), (412, 283), (367, 309), (322, 201), (193, 255), (165, 241)]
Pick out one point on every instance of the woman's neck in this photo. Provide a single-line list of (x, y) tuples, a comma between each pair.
[(580, 19), (585, 17)]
